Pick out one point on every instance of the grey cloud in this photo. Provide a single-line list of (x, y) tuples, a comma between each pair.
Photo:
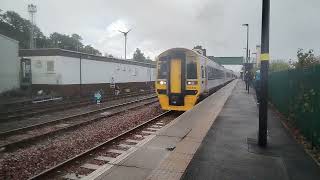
[(161, 24)]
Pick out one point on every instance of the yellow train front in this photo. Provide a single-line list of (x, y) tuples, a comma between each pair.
[(184, 75), (178, 80)]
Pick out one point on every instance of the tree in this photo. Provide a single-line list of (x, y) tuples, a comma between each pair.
[(90, 50), (139, 56), (306, 59), (18, 28), (15, 27), (279, 65), (77, 41)]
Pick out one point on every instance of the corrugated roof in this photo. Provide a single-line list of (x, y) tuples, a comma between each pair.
[(227, 60)]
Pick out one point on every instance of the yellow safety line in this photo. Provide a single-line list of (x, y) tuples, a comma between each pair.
[(265, 57)]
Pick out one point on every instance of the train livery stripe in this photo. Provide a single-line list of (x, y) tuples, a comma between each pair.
[(175, 76)]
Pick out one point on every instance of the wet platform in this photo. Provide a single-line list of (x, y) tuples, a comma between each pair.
[(217, 140), (229, 150)]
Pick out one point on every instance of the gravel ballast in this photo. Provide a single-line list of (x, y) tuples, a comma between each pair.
[(25, 163)]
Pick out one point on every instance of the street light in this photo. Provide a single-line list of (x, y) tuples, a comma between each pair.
[(247, 25), (125, 42)]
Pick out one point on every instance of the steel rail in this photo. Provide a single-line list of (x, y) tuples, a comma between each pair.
[(110, 141)]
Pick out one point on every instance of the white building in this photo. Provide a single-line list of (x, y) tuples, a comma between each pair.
[(9, 64), (69, 72)]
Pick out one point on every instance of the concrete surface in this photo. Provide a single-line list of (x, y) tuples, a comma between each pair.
[(229, 149), (167, 155)]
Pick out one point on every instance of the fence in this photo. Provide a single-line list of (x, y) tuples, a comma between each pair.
[(296, 94)]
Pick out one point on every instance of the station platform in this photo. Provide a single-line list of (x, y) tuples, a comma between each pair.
[(217, 140)]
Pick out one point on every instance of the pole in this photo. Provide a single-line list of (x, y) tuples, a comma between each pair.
[(247, 43), (125, 46), (263, 108), (125, 42), (31, 33), (80, 83)]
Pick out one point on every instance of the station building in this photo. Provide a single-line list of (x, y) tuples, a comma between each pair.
[(70, 73), (9, 60)]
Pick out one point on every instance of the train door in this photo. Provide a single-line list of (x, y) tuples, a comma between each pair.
[(206, 76), (203, 77), (176, 80), (25, 73)]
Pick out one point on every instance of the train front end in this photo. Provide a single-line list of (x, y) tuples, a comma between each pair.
[(177, 84)]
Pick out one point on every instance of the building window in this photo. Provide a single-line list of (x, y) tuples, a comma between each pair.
[(50, 66)]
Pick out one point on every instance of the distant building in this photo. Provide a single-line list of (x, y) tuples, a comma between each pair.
[(9, 68), (70, 73), (200, 50)]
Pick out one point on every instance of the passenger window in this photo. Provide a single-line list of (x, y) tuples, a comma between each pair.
[(191, 67)]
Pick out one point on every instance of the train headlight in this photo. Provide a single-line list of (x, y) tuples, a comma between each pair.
[(192, 82), (162, 82)]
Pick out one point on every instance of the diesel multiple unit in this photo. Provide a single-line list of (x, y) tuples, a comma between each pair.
[(184, 75)]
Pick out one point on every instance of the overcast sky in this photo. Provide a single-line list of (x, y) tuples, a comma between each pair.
[(158, 25)]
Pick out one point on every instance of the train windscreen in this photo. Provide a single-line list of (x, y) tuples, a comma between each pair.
[(162, 69), (191, 68)]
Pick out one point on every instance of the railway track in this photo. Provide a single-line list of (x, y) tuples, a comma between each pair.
[(91, 163), (25, 136), (47, 107)]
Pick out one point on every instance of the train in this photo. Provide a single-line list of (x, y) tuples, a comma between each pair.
[(183, 76)]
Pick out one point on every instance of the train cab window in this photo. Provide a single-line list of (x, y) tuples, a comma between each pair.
[(162, 69), (191, 68)]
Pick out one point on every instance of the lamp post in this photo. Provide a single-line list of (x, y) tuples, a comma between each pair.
[(125, 42), (247, 25), (263, 107)]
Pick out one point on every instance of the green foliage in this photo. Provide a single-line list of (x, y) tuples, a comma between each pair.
[(14, 26), (139, 56), (296, 94), (90, 50), (18, 28), (278, 65), (306, 59)]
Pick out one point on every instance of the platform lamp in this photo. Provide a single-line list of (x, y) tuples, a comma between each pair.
[(247, 55)]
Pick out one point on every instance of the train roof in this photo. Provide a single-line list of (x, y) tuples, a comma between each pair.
[(190, 51)]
